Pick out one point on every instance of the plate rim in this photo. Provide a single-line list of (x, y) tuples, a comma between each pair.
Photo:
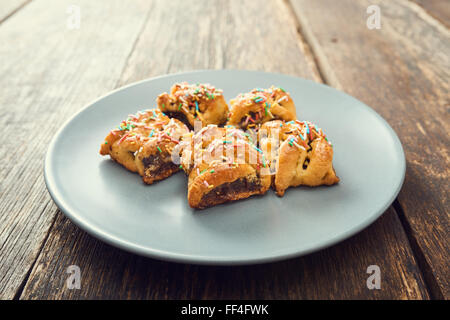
[(146, 251)]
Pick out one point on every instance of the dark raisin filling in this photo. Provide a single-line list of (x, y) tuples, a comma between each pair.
[(155, 165), (307, 159), (306, 163), (179, 116), (224, 190)]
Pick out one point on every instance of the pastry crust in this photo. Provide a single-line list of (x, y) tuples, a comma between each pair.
[(144, 142), (194, 102), (223, 165), (300, 153), (259, 106)]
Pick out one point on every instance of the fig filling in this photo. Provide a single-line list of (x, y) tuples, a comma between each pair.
[(156, 165), (224, 191), (179, 116)]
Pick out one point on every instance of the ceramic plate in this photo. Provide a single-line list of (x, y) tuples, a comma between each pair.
[(114, 205)]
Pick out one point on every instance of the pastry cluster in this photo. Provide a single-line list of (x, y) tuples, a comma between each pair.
[(233, 152)]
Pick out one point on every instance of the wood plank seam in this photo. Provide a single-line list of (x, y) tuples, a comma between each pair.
[(27, 275), (425, 14), (324, 70), (9, 15), (304, 44), (329, 78), (18, 290), (25, 280), (424, 267), (133, 47)]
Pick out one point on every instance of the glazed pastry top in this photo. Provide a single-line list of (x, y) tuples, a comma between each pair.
[(201, 102), (213, 145), (261, 105), (137, 137)]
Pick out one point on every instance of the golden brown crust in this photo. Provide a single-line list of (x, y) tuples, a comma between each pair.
[(304, 155), (223, 166), (259, 106), (191, 102), (223, 174), (143, 143)]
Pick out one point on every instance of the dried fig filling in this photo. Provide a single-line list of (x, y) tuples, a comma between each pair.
[(308, 157), (156, 165), (179, 116), (306, 163), (224, 191)]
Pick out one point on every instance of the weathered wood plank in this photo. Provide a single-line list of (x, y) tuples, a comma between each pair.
[(335, 273), (402, 70), (440, 9), (49, 72), (230, 34), (218, 35), (9, 7)]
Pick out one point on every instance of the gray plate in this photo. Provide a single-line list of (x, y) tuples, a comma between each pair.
[(114, 205)]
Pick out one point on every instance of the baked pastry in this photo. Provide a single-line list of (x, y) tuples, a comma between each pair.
[(299, 152), (261, 105), (144, 143), (223, 165), (194, 102)]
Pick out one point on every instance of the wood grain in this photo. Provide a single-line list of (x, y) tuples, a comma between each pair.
[(231, 34), (440, 9), (402, 71), (335, 273), (50, 72), (218, 35)]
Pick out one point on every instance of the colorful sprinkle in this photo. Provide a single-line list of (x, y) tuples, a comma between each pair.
[(282, 99), (307, 128), (256, 148), (301, 136)]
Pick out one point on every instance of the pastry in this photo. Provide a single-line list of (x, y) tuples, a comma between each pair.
[(259, 106), (194, 102), (299, 152), (144, 143), (223, 165)]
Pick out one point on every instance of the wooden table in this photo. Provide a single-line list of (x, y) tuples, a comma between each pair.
[(50, 69)]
